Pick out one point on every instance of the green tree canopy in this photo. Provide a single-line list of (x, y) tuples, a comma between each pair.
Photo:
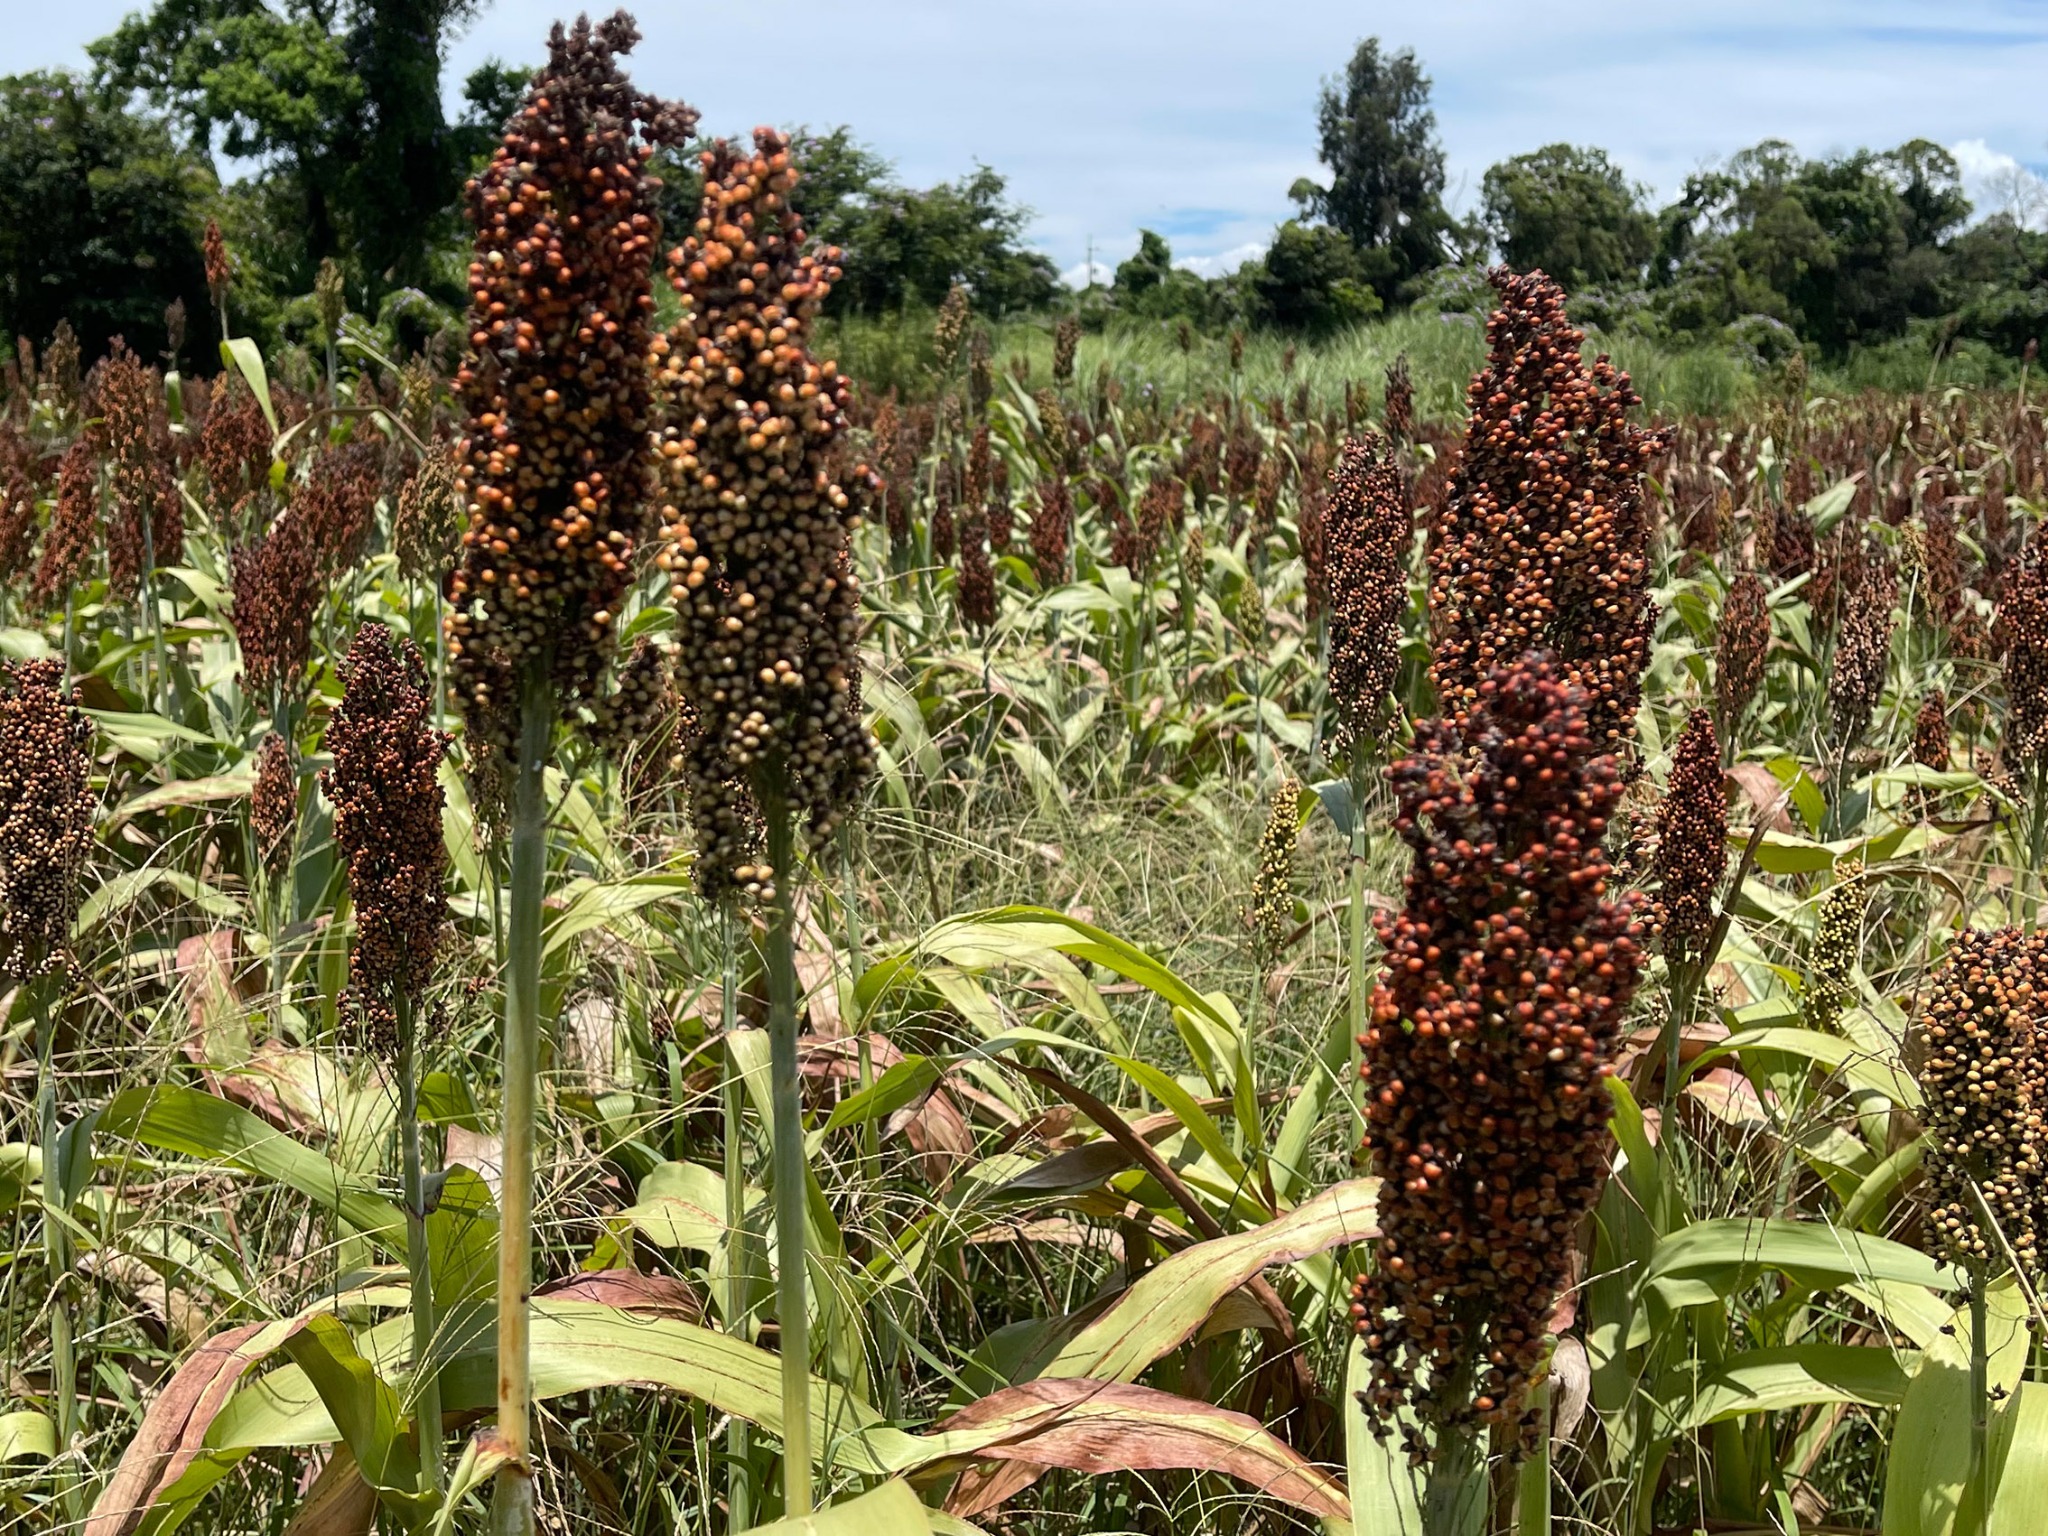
[(1386, 183), (341, 99), (1571, 212), (1312, 279), (99, 218)]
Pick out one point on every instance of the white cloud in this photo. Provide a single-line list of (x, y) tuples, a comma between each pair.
[(1076, 276), (1998, 183), (1225, 261)]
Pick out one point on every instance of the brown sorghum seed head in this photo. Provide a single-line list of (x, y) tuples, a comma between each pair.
[(20, 484), (1930, 732), (1941, 565), (944, 534), (1271, 916), (1862, 648), (234, 442), (386, 791), (1054, 429), (1158, 510), (1052, 531), (1742, 645), (74, 523), (147, 525), (976, 588), (2022, 637), (214, 248), (276, 594), (1498, 1014), (46, 805), (330, 299), (1399, 416), (1692, 840), (1370, 528), (767, 602), (640, 692), (1983, 1040), (1543, 538), (338, 503), (556, 470), (981, 372), (274, 799)]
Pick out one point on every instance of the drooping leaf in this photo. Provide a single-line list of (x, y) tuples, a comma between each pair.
[(1785, 1376)]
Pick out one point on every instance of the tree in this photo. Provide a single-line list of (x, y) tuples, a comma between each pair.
[(338, 99), (1571, 212), (99, 218), (1386, 167), (1313, 279), (1149, 266)]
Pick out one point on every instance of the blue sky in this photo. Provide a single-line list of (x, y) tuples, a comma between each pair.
[(1193, 117)]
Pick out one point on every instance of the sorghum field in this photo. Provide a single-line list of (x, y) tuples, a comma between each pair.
[(615, 930)]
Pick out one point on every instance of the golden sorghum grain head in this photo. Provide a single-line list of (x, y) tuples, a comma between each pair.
[(949, 329), (1271, 915), (1742, 643), (1066, 340), (767, 602), (1498, 1013), (274, 799), (556, 468), (1369, 531), (1054, 429), (2021, 634), (276, 587), (1692, 840), (1543, 540), (1984, 1074), (1831, 965), (386, 791), (426, 526), (46, 805), (330, 299)]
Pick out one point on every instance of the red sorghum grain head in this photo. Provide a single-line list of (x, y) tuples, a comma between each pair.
[(1931, 733), (1052, 531), (1497, 1015), (1002, 516), (1742, 644), (981, 372), (20, 484), (234, 442), (1692, 840), (557, 391), (766, 598), (1312, 533), (944, 535), (1543, 538), (1369, 532), (276, 595), (386, 792), (975, 590), (1159, 509), (214, 248), (46, 805), (74, 530), (2021, 635), (1983, 1036), (274, 799), (147, 518), (338, 503)]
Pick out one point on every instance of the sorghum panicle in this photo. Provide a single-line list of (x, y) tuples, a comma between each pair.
[(1692, 840), (426, 525), (976, 589), (1272, 910), (1831, 965), (1066, 340), (944, 534), (2022, 637), (339, 503), (330, 299), (46, 805), (234, 442), (1544, 540), (1497, 1016), (74, 530), (1367, 541), (214, 250), (128, 396), (557, 390), (1931, 733), (1399, 416), (1862, 648), (386, 792), (276, 595), (274, 799), (1052, 531), (1742, 644), (766, 597), (1984, 1075), (949, 329)]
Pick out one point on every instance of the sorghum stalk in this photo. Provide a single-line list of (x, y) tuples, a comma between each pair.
[(418, 1260), (788, 1173), (738, 1490), (512, 1493)]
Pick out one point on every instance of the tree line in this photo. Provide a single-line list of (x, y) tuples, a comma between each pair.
[(334, 111)]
